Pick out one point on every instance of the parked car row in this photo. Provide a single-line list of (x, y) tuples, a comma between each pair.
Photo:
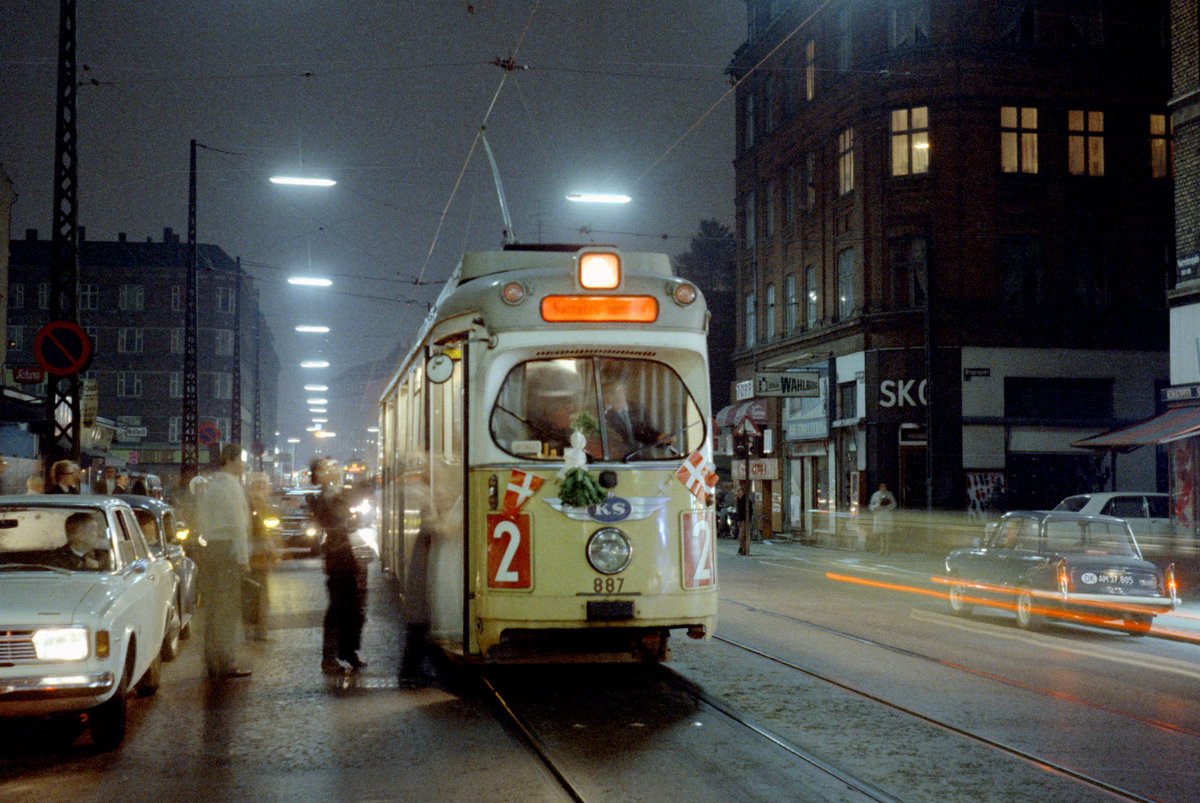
[(95, 593)]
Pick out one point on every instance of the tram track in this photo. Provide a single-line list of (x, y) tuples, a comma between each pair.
[(725, 741), (1041, 762)]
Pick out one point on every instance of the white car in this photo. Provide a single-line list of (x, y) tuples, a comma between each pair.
[(79, 639), (1148, 514)]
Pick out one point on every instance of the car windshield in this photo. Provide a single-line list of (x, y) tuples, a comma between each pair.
[(627, 409), (1072, 504), (1090, 536), (293, 505), (37, 536)]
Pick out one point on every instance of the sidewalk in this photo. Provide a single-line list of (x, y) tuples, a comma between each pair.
[(1185, 619)]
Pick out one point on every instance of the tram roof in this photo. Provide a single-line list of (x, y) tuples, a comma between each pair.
[(526, 257)]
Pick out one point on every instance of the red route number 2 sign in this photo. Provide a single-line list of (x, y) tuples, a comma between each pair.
[(508, 552)]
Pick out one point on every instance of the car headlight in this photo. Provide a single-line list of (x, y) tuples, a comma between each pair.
[(271, 522), (609, 550), (61, 644), (310, 530)]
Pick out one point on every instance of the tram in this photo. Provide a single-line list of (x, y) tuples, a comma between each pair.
[(545, 449)]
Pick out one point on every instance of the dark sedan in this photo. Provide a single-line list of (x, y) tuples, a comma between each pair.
[(297, 529), (1050, 564), (161, 525)]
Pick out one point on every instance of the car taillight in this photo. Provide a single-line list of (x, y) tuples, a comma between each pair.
[(1064, 578), (1172, 586)]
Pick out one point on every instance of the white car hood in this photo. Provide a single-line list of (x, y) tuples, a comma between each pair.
[(52, 598)]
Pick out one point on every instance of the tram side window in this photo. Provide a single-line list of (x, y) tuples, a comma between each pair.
[(631, 409)]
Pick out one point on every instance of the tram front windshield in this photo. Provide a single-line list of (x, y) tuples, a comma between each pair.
[(627, 409)]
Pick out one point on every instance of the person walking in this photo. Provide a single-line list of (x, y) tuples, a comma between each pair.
[(224, 521), (882, 504), (344, 578), (745, 517), (262, 555)]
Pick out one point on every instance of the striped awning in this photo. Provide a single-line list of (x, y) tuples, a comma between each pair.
[(735, 414), (1175, 424)]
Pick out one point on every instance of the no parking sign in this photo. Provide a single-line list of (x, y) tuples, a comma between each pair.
[(62, 348)]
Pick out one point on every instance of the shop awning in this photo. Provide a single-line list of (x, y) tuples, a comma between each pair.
[(735, 414), (1175, 424)]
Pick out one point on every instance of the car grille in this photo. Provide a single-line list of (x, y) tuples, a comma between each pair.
[(17, 645)]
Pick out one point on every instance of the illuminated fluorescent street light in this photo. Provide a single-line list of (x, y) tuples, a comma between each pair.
[(317, 410), (310, 281), (317, 388), (598, 198), (298, 181), (320, 330), (320, 420), (318, 401), (314, 364), (325, 434)]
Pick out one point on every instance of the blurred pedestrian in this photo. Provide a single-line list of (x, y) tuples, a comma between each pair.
[(64, 477), (882, 504), (34, 484), (224, 520), (108, 482), (263, 555), (122, 486), (345, 579), (745, 517), (139, 487)]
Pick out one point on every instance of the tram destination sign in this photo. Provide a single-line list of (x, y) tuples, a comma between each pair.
[(788, 383)]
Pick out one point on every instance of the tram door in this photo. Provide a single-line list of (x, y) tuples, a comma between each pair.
[(446, 485)]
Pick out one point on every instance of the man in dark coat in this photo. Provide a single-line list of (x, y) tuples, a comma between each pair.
[(345, 579)]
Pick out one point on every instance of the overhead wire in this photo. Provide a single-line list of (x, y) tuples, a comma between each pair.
[(508, 66)]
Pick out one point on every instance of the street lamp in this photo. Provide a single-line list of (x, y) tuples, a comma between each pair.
[(310, 329), (310, 281), (298, 181), (598, 198)]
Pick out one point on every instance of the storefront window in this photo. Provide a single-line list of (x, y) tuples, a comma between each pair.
[(629, 410)]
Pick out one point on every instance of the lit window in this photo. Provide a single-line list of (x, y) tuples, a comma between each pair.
[(811, 296), (908, 23), (810, 69), (791, 311), (910, 141), (846, 284), (1085, 142), (1018, 139), (129, 384), (846, 162), (130, 340), (1162, 151), (132, 298), (89, 296), (751, 321), (770, 311)]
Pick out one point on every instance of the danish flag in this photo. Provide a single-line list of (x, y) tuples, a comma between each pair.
[(695, 475), (521, 486)]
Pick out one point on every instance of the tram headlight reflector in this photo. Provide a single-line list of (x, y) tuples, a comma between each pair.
[(599, 271), (684, 294), (513, 293), (609, 550)]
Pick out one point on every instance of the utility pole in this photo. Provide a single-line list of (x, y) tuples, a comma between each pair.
[(60, 439), (189, 464), (235, 398)]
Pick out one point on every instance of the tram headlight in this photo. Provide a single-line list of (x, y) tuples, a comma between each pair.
[(513, 293), (684, 294), (609, 550)]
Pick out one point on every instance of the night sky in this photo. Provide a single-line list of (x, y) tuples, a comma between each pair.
[(387, 98)]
